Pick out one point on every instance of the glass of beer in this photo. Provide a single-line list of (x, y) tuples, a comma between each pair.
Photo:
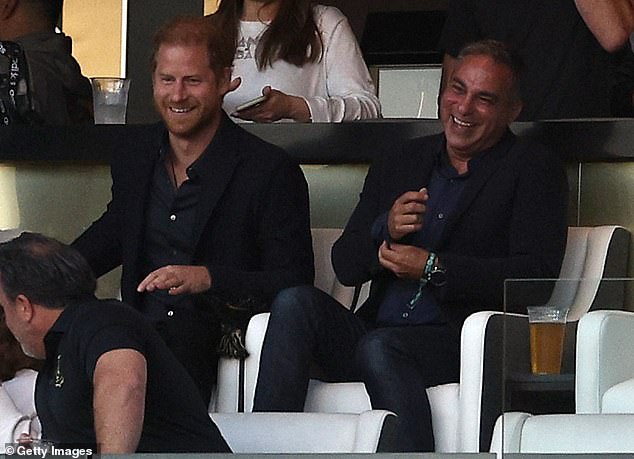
[(547, 329)]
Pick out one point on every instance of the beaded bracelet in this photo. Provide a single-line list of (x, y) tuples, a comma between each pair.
[(424, 278)]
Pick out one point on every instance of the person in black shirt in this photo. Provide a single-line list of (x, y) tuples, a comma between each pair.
[(569, 48), (108, 380)]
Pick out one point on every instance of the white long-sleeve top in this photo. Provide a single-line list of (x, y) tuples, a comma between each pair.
[(17, 408), (337, 87)]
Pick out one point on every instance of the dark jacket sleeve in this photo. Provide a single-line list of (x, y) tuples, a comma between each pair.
[(100, 243), (407, 168), (285, 255), (355, 254)]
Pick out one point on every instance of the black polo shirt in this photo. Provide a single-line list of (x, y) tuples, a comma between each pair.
[(566, 72), (175, 418)]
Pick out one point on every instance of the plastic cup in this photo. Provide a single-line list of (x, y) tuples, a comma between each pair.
[(110, 99), (547, 330)]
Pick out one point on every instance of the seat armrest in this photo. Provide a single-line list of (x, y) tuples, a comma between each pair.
[(375, 429), (619, 398), (225, 395), (605, 346), (302, 432), (253, 340), (508, 430), (578, 433), (444, 403), (343, 397), (481, 372)]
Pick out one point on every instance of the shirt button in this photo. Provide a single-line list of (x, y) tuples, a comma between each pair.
[(170, 313), (441, 215), (173, 217), (405, 315)]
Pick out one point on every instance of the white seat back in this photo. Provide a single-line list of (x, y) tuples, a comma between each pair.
[(325, 277), (582, 268), (564, 433), (605, 363), (343, 397), (279, 433)]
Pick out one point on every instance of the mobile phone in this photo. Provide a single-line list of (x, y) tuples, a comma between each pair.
[(250, 103)]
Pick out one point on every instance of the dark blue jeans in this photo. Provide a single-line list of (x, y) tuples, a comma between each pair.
[(308, 327)]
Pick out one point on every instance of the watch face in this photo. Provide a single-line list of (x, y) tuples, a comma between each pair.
[(438, 277)]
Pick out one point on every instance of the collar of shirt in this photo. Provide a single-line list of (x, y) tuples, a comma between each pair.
[(61, 326), (200, 167), (447, 170)]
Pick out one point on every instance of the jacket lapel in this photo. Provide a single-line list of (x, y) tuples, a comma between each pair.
[(222, 159), (139, 189)]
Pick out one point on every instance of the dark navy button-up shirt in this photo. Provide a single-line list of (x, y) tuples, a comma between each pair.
[(169, 238), (444, 190)]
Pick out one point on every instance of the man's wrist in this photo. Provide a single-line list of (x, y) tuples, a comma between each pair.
[(437, 274), (424, 278), (429, 265)]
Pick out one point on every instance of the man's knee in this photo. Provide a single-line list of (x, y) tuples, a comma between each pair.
[(297, 304), (374, 352)]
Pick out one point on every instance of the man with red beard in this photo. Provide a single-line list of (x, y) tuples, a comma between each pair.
[(439, 226), (201, 212)]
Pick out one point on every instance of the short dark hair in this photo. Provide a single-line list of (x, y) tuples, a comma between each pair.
[(502, 54), (196, 31), (44, 270)]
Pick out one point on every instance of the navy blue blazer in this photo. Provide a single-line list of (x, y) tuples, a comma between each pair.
[(510, 223), (253, 224)]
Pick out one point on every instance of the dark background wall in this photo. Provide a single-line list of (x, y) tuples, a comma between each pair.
[(357, 10), (145, 16)]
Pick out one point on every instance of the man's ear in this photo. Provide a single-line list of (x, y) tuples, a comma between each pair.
[(225, 81), (7, 8), (515, 110), (24, 308)]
